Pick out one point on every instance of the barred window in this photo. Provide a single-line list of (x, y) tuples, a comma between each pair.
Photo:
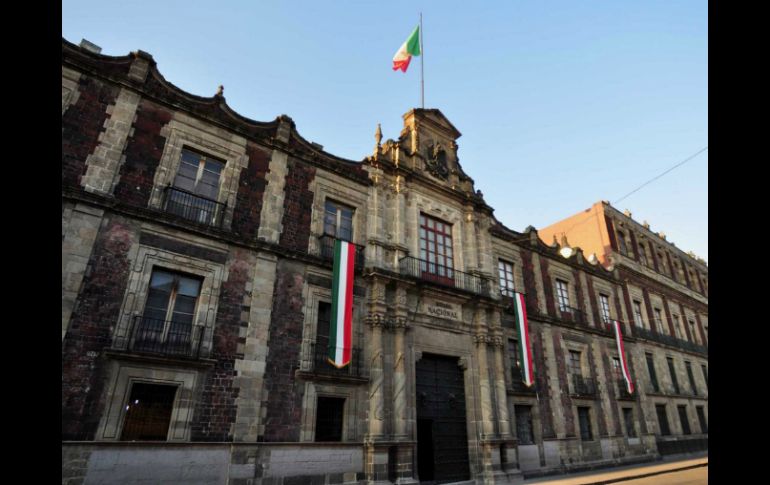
[(505, 269), (196, 188), (562, 294)]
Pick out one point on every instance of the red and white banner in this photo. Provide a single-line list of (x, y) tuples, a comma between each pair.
[(525, 346), (621, 352)]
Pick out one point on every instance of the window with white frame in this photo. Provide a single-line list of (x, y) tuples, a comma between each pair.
[(562, 294), (505, 270), (604, 301), (195, 190), (638, 314), (338, 220)]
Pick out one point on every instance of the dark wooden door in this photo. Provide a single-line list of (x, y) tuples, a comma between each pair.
[(442, 438)]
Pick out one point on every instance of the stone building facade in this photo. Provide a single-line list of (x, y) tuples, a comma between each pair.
[(196, 286)]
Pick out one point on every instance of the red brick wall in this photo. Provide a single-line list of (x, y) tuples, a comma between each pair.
[(93, 320), (541, 377), (251, 190), (566, 400), (81, 125), (297, 206), (144, 149), (547, 287), (528, 272), (284, 399)]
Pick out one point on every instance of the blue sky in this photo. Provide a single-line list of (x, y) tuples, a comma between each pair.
[(560, 103)]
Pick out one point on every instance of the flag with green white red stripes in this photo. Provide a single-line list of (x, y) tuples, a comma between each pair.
[(525, 349), (341, 325)]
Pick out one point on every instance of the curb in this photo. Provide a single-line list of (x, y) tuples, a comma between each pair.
[(645, 475)]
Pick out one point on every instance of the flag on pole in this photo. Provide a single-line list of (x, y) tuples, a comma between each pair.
[(622, 354), (341, 325), (408, 49), (525, 348)]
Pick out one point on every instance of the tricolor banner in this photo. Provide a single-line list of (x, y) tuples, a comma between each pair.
[(341, 325), (525, 346), (408, 49), (622, 354)]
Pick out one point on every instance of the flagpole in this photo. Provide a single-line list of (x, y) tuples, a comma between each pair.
[(422, 66)]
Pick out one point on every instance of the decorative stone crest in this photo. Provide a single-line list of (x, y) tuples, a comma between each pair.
[(435, 161)]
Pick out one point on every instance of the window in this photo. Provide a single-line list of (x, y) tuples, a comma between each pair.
[(513, 351), (705, 375), (604, 300), (693, 334), (663, 266), (329, 418), (148, 412), (563, 295), (672, 372), (436, 247), (660, 409), (683, 419), (638, 314), (574, 363), (691, 377), (701, 419), (651, 370), (628, 417), (617, 371), (677, 327), (643, 254), (506, 278), (338, 220), (658, 321), (622, 243), (584, 417), (169, 313), (524, 429), (322, 334), (196, 188)]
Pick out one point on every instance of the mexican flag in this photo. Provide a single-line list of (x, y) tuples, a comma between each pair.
[(525, 346), (622, 354), (341, 325), (408, 49)]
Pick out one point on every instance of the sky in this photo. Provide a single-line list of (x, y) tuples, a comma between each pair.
[(560, 103)]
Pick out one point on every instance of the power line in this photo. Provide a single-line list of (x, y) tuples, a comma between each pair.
[(664, 173)]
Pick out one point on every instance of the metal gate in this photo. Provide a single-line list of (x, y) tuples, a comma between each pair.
[(442, 439)]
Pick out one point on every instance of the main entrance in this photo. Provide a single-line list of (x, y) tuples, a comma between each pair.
[(442, 439)]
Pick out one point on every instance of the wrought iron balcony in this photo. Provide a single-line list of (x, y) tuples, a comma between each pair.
[(583, 386), (444, 276), (572, 314), (517, 382), (316, 362), (669, 340), (193, 207), (326, 250), (171, 338), (623, 393)]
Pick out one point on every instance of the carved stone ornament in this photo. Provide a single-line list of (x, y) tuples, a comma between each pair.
[(462, 362), (480, 338), (435, 161)]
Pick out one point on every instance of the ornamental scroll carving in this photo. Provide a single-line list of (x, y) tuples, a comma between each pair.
[(435, 161)]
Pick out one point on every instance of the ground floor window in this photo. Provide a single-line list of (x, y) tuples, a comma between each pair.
[(524, 425), (628, 417), (683, 419), (148, 412), (329, 418), (660, 409), (584, 416), (702, 419)]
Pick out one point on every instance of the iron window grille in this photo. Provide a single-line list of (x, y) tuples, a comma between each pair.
[(195, 190)]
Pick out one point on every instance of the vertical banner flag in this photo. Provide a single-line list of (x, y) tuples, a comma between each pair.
[(525, 347), (341, 325), (622, 354), (408, 49)]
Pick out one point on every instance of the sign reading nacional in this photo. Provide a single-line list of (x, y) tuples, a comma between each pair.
[(442, 309)]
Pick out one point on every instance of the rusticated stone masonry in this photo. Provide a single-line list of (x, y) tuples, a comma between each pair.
[(297, 206), (215, 411), (95, 314), (282, 400), (251, 190), (143, 152), (566, 400), (81, 125)]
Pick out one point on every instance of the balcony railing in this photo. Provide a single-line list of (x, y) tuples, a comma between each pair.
[(316, 362), (623, 391), (193, 207), (326, 250), (444, 276), (517, 383), (583, 386), (669, 340), (172, 338), (573, 314)]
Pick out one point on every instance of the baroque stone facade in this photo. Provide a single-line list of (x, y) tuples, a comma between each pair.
[(196, 283)]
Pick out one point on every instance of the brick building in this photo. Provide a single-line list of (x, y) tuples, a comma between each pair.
[(196, 289)]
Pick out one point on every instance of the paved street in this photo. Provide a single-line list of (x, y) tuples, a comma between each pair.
[(694, 476)]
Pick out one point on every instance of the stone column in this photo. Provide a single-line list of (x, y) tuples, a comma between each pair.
[(375, 453), (270, 226), (399, 366), (502, 397), (480, 338), (470, 257)]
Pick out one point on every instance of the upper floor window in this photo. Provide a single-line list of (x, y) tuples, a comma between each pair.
[(604, 300), (659, 320), (638, 314), (643, 254), (617, 371), (513, 351), (677, 326), (662, 263), (574, 363), (169, 313), (562, 293), (436, 246), (338, 220), (622, 243), (693, 334), (196, 188), (505, 270)]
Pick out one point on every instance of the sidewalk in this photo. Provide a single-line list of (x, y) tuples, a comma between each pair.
[(623, 473)]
